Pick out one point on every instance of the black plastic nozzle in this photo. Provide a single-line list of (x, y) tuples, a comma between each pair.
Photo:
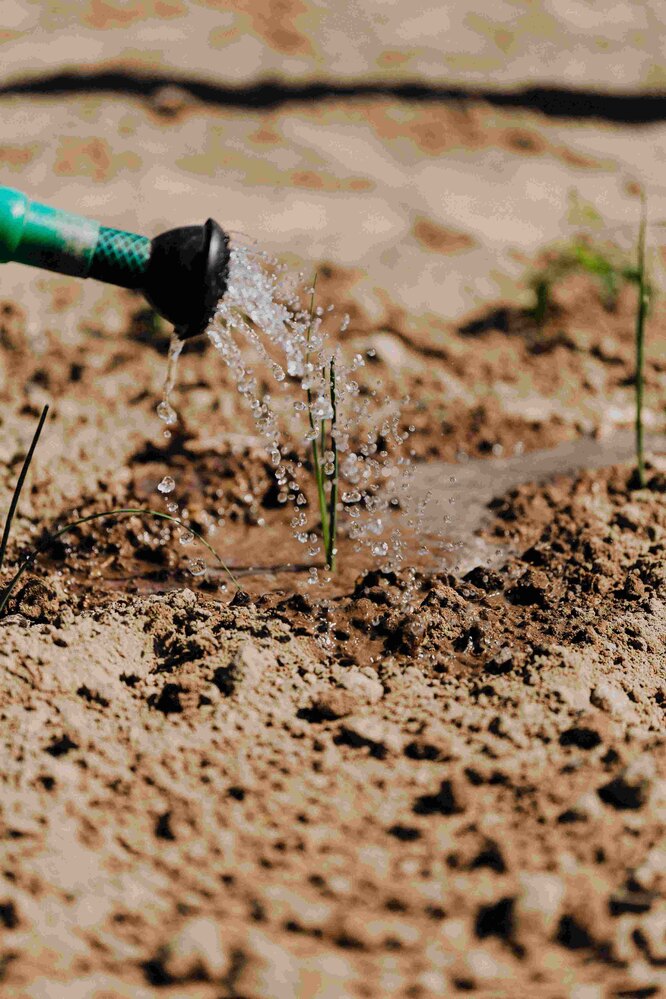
[(183, 273), (187, 274)]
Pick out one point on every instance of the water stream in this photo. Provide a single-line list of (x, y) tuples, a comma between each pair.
[(474, 483), (309, 408)]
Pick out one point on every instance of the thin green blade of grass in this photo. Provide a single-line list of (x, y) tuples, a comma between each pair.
[(641, 315), (116, 514), (316, 462), (19, 486), (333, 508)]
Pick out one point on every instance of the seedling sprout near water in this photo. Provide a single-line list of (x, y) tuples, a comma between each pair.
[(263, 306), (611, 267), (328, 512), (51, 538), (315, 419), (641, 315)]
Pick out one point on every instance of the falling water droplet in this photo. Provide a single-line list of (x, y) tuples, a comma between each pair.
[(167, 485), (167, 413)]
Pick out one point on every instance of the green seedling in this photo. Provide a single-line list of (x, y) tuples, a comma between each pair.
[(19, 486), (328, 511), (642, 308), (581, 256), (51, 538), (612, 270), (335, 480)]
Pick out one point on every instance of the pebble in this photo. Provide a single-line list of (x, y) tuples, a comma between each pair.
[(631, 789), (288, 905), (379, 736), (650, 872), (362, 686), (586, 991), (483, 966), (653, 929), (331, 703), (538, 906), (197, 950), (249, 666), (271, 970), (610, 698), (451, 798), (501, 662), (587, 807)]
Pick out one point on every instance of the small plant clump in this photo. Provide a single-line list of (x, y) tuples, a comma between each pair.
[(581, 255), (265, 334), (589, 251)]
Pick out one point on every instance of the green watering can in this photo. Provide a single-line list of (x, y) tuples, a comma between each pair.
[(182, 273)]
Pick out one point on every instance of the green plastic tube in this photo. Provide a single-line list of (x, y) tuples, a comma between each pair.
[(41, 236)]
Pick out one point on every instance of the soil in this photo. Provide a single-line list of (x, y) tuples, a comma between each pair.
[(444, 780), (406, 784)]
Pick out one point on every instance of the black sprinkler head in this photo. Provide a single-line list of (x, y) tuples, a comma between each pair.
[(187, 274), (183, 273)]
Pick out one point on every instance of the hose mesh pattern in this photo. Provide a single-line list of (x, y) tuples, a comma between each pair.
[(120, 257)]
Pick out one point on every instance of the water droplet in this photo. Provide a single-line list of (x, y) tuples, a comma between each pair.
[(167, 413), (186, 538), (379, 549), (322, 409), (197, 566), (167, 485)]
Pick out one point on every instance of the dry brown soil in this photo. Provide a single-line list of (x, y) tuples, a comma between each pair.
[(407, 785)]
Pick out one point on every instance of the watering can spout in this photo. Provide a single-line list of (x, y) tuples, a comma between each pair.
[(182, 272)]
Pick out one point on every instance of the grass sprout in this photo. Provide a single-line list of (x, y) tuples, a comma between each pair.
[(612, 268), (8, 589), (19, 486), (324, 470), (642, 308), (335, 480), (602, 262)]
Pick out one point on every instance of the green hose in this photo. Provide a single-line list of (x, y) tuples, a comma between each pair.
[(41, 236)]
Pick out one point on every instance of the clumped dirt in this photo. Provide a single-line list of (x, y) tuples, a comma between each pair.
[(408, 784), (426, 785)]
